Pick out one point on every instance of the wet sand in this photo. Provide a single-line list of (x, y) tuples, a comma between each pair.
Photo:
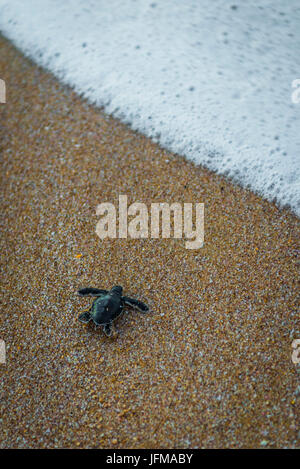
[(210, 365)]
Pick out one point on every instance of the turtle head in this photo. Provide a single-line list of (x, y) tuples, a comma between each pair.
[(118, 290)]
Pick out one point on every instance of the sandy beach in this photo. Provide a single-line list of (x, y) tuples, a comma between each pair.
[(210, 365)]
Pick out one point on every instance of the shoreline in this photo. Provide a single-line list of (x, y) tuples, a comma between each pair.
[(210, 366)]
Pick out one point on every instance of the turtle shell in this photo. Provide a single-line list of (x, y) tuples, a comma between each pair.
[(106, 309)]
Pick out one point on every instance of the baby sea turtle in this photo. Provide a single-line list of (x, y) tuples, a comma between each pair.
[(107, 306)]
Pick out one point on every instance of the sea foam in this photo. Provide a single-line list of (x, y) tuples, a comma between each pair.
[(211, 80)]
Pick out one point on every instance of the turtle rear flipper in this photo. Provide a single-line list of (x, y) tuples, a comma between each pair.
[(108, 329), (85, 317), (92, 291), (135, 304)]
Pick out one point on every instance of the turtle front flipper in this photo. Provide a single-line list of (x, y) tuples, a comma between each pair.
[(85, 317), (135, 304), (92, 291)]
